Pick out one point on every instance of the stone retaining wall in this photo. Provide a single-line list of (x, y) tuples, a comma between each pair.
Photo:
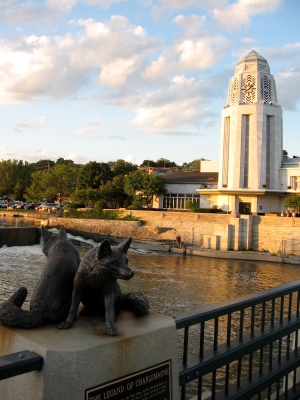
[(270, 233)]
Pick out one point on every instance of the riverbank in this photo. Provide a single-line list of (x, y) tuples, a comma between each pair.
[(115, 231), (229, 255)]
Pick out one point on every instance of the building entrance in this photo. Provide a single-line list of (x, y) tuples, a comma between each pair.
[(245, 208)]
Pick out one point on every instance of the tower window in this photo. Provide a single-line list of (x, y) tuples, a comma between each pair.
[(246, 154)]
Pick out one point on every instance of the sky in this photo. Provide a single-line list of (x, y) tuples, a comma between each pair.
[(102, 80)]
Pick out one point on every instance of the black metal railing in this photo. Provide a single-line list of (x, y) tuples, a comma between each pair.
[(242, 348), (19, 363)]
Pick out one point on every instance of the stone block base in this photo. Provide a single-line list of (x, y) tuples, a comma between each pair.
[(85, 356)]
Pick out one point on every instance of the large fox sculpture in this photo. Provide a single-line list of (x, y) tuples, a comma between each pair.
[(51, 299), (96, 286)]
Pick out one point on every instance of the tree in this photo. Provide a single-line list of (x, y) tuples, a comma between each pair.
[(143, 187), (86, 196), (165, 163), (121, 167), (114, 192), (43, 165), (293, 202), (193, 166), (36, 190), (92, 175), (15, 176), (58, 183)]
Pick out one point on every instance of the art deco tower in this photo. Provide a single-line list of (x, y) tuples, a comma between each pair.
[(251, 138)]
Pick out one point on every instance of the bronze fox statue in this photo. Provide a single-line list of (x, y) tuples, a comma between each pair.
[(51, 299), (96, 286)]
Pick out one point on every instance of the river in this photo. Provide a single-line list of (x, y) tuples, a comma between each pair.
[(173, 283)]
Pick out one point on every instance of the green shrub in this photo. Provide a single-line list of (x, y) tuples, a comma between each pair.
[(207, 210), (72, 206), (191, 205), (134, 207)]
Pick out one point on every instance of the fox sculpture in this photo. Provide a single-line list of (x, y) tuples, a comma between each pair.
[(51, 298), (96, 286)]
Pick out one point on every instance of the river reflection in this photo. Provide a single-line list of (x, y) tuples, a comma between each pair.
[(173, 283)]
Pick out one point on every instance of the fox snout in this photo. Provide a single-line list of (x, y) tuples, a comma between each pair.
[(125, 273)]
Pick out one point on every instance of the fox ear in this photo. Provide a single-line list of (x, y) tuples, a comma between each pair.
[(62, 233), (45, 234), (104, 249), (124, 246)]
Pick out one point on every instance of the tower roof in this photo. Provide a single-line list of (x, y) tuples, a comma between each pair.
[(253, 56)]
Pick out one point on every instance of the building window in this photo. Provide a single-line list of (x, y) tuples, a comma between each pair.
[(226, 151), (177, 201), (246, 153), (268, 150), (295, 182)]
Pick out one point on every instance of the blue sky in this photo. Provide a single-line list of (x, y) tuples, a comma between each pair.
[(99, 80)]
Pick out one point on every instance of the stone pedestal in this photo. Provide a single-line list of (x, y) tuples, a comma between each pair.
[(85, 357)]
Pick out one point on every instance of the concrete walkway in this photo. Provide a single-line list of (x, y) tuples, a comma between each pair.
[(233, 255)]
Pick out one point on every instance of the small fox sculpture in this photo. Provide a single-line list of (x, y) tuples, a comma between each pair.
[(96, 286), (51, 299)]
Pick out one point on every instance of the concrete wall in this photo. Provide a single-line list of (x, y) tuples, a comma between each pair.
[(25, 236), (220, 231)]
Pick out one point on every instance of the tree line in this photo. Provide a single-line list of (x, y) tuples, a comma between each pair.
[(114, 184)]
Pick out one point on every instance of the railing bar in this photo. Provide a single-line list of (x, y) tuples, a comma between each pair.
[(298, 301), (269, 391), (281, 308), (263, 316), (288, 346), (250, 365), (200, 383), (278, 388), (252, 319), (213, 386), (239, 371), (290, 305), (241, 324), (185, 345), (296, 341), (261, 359), (216, 333), (183, 392), (202, 327), (226, 378), (228, 329), (294, 378), (271, 355), (286, 388), (279, 350), (273, 312)]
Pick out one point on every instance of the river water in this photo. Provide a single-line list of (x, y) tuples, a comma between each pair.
[(173, 283)]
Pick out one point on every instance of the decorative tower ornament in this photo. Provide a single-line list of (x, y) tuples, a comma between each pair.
[(251, 135)]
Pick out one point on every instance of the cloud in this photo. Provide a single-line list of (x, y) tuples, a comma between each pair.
[(236, 16), (34, 124), (286, 82), (34, 68), (95, 121), (169, 110), (102, 3), (34, 13)]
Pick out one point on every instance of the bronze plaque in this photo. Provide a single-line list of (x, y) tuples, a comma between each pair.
[(150, 383)]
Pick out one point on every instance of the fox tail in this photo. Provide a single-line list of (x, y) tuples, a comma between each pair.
[(11, 313), (135, 302)]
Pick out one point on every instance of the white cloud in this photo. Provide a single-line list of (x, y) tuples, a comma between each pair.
[(36, 68), (102, 3), (238, 15), (30, 12), (189, 54), (34, 124), (169, 110), (95, 121)]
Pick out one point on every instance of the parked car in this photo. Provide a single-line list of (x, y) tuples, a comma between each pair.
[(3, 204), (30, 206), (22, 204), (50, 207)]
